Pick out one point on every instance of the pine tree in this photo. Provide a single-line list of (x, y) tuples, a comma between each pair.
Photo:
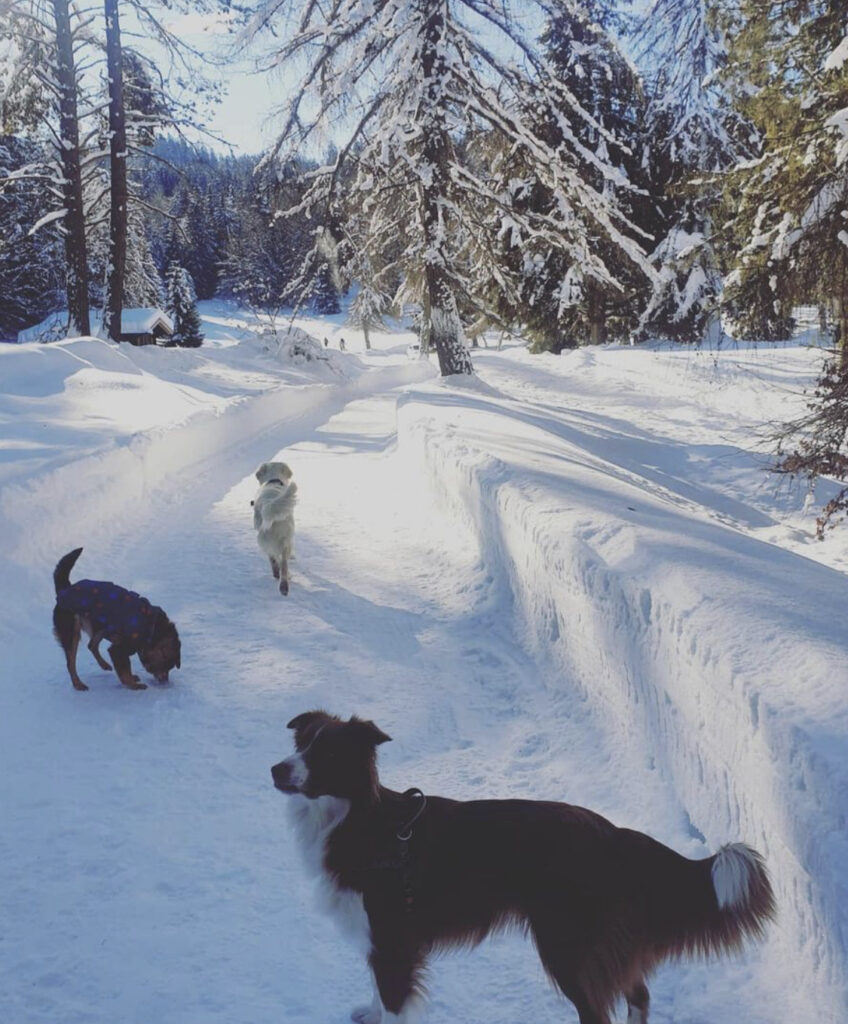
[(45, 45), (31, 264), (368, 309), (325, 297), (784, 216), (181, 305), (591, 291), (819, 442), (691, 134), (142, 283)]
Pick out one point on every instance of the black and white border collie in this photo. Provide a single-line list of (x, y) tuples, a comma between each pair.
[(409, 875)]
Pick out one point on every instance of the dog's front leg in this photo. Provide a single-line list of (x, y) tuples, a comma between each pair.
[(284, 575), (370, 1013), (396, 971), (94, 647), (121, 660)]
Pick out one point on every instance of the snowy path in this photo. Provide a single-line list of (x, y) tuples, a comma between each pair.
[(149, 874)]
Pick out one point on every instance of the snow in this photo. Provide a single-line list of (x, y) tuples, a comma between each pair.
[(567, 578), (837, 58)]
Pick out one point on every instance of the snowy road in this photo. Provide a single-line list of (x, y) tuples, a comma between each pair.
[(149, 873), (148, 870)]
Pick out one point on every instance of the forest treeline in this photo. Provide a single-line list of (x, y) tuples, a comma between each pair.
[(577, 176)]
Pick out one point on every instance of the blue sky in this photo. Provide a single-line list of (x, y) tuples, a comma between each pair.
[(243, 118)]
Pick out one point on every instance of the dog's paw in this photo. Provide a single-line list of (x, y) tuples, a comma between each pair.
[(133, 683), (284, 587), (79, 685), (366, 1014)]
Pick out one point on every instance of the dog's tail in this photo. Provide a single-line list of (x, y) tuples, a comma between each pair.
[(726, 899), (742, 890), (670, 906), (62, 572)]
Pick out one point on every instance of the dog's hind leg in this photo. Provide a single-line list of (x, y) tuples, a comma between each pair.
[(284, 575), (94, 647), (275, 569), (560, 961), (121, 660), (66, 626), (638, 1001)]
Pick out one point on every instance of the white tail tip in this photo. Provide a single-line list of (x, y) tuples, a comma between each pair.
[(733, 870)]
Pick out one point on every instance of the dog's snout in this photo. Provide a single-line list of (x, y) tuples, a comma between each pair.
[(282, 775)]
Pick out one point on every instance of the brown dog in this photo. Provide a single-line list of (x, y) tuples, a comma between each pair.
[(410, 875), (106, 611)]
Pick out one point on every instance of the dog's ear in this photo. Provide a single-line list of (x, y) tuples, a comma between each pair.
[(306, 719), (369, 732), (261, 471)]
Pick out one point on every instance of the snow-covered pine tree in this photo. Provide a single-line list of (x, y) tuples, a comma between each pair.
[(408, 83), (368, 309), (46, 43), (801, 221), (324, 295), (817, 444), (262, 254), (565, 301), (181, 305), (692, 133), (31, 265), (786, 222), (142, 283)]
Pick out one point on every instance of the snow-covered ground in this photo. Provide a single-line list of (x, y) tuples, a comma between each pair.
[(571, 579)]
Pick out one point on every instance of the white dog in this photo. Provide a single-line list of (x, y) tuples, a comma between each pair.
[(273, 517)]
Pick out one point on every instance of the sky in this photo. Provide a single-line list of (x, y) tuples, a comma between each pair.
[(243, 119)]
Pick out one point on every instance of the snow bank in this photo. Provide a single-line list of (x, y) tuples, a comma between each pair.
[(719, 658)]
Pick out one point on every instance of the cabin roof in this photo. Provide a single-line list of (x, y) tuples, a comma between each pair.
[(145, 320)]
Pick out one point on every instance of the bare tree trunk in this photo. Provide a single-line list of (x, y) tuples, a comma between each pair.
[(445, 325), (118, 176), (76, 255), (597, 319), (840, 316), (424, 331)]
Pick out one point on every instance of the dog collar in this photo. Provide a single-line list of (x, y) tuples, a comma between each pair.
[(275, 480), (400, 860)]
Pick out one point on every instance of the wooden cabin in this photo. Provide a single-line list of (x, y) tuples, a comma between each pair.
[(146, 326)]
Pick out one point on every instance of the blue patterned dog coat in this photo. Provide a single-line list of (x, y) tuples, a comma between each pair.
[(116, 613)]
